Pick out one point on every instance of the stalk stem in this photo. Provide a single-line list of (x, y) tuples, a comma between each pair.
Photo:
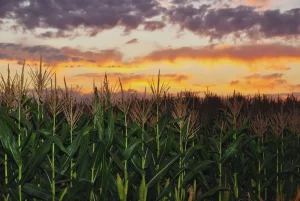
[(19, 145), (53, 160), (125, 162), (259, 169), (235, 174), (71, 139), (220, 166), (277, 171), (265, 170), (145, 190), (281, 165), (5, 169), (157, 144)]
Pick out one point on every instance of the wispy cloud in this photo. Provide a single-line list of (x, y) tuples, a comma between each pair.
[(55, 56), (262, 55), (134, 78), (132, 41), (135, 81), (257, 2), (153, 25), (278, 67), (249, 53), (264, 82)]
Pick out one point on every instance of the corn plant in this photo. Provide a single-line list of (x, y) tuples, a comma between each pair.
[(156, 146)]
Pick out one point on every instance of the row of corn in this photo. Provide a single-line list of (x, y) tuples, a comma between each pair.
[(57, 145)]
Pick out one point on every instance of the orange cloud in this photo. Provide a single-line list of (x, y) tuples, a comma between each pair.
[(274, 56), (258, 2), (135, 81), (268, 82), (102, 56), (62, 57), (242, 53), (253, 55), (278, 67)]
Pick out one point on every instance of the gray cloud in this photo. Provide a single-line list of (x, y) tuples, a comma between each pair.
[(244, 53), (65, 15), (94, 16), (54, 55), (132, 41), (266, 81), (153, 25), (218, 23), (57, 34)]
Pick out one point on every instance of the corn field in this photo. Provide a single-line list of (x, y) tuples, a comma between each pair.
[(55, 146)]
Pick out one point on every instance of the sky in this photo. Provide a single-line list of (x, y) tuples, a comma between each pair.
[(249, 46)]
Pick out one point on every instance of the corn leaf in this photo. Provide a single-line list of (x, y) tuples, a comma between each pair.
[(9, 143), (35, 160), (37, 192), (163, 171)]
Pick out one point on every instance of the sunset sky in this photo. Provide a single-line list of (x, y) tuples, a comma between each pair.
[(226, 45)]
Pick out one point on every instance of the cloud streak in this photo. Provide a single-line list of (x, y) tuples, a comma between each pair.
[(56, 56), (248, 53), (134, 78), (264, 82), (262, 55), (134, 81), (132, 41)]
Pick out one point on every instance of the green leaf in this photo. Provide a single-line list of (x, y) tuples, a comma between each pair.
[(9, 143), (37, 192), (190, 152), (121, 188), (98, 157), (231, 150), (165, 147), (143, 190), (72, 149), (117, 160), (162, 122), (267, 183), (166, 191), (63, 193), (203, 179), (253, 194), (163, 171), (84, 146), (9, 122), (136, 166), (56, 141), (83, 171), (214, 144), (174, 121), (132, 149), (170, 184), (269, 159), (86, 131), (35, 160), (228, 135), (13, 193), (193, 171), (110, 129), (82, 186), (118, 139), (211, 192)]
